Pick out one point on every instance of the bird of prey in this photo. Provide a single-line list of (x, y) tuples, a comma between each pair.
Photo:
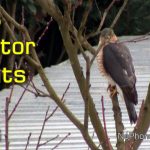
[(115, 63)]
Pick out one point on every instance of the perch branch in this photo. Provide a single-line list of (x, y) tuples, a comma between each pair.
[(118, 122)]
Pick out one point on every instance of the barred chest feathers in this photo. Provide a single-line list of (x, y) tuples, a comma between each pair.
[(101, 68)]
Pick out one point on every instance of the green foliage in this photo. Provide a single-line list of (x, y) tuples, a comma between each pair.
[(136, 18)]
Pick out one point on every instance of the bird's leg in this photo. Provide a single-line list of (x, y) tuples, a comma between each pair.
[(108, 88), (113, 90)]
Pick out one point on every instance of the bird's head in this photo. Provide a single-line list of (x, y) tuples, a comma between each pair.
[(107, 36)]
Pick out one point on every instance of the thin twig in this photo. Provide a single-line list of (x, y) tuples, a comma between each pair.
[(28, 140), (47, 117), (11, 92), (94, 56), (22, 22), (42, 94), (119, 14), (45, 30), (137, 39), (80, 47), (61, 141), (85, 16), (14, 109), (62, 98), (23, 38), (44, 143), (33, 85), (86, 113), (43, 126), (102, 20), (100, 14), (105, 15)]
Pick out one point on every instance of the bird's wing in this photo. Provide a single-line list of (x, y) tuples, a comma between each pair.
[(118, 64)]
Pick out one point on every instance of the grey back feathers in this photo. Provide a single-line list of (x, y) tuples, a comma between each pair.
[(118, 64)]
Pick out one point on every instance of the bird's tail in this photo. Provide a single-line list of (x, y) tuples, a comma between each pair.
[(130, 97)]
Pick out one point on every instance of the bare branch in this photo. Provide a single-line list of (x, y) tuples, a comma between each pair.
[(84, 42), (28, 140), (11, 92), (34, 87), (32, 62), (51, 8), (94, 56), (86, 113), (102, 20), (45, 30), (47, 117), (118, 122), (137, 39), (105, 14), (14, 109), (77, 37), (85, 16), (62, 98), (49, 141), (43, 126), (119, 13), (61, 141)]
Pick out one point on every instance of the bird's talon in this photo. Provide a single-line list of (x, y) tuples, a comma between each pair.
[(109, 87), (113, 90)]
